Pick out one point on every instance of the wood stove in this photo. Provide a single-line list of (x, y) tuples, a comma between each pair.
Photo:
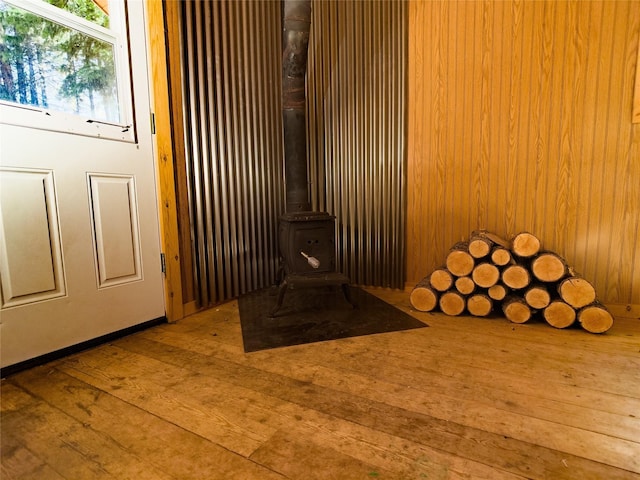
[(308, 254), (306, 238)]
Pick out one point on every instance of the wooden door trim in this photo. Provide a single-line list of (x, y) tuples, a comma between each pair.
[(169, 233)]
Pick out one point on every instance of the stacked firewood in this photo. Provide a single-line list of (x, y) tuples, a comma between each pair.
[(488, 273)]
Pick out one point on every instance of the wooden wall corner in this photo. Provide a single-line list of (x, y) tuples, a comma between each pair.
[(635, 116), (164, 161)]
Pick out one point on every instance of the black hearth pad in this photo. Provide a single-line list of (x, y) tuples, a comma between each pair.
[(315, 315)]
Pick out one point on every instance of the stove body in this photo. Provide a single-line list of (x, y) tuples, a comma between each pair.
[(308, 254)]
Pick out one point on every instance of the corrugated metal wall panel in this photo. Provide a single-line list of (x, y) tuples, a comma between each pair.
[(231, 64), (231, 90), (356, 100)]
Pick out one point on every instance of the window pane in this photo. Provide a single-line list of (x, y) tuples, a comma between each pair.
[(45, 64), (96, 11)]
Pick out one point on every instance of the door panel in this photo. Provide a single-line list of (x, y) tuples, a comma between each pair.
[(79, 222), (30, 249), (115, 223)]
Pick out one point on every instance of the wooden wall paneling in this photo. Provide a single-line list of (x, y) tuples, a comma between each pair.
[(165, 162), (613, 207), (564, 221), (516, 82), (486, 102), (605, 122), (578, 249), (440, 17), (629, 270), (468, 159), (516, 118), (550, 135), (415, 119), (500, 114), (457, 135), (526, 119), (635, 113), (172, 20)]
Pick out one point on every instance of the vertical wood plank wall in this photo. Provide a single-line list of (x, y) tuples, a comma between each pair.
[(356, 111), (520, 118)]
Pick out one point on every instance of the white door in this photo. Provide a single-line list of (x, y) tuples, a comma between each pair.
[(79, 237)]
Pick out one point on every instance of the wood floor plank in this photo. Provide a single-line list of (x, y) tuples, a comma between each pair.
[(468, 442), (516, 396), (464, 398), (240, 402), (73, 450), (297, 457), (390, 453), (438, 461), (614, 450), (180, 396), (182, 454), (18, 462)]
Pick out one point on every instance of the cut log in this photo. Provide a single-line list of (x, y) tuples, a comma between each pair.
[(498, 292), (525, 245), (595, 318), (479, 246), (479, 305), (459, 260), (424, 297), (485, 275), (559, 314), (501, 256), (577, 292), (465, 285), (516, 276), (537, 296), (452, 303), (498, 240), (549, 267), (516, 309), (441, 279)]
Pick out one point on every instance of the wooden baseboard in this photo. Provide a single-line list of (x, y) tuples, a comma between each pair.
[(190, 308), (621, 310)]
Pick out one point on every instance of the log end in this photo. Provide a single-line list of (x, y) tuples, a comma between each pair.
[(516, 310), (465, 285), (485, 275), (423, 299), (441, 280), (497, 292), (516, 277), (479, 246), (577, 292), (452, 303), (548, 267), (479, 305), (559, 314), (460, 263), (595, 318), (525, 244)]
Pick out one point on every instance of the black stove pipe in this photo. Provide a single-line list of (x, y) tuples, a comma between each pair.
[(296, 23)]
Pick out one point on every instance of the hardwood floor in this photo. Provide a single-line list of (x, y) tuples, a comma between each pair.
[(464, 398)]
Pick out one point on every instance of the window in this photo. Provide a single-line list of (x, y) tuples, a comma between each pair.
[(63, 66)]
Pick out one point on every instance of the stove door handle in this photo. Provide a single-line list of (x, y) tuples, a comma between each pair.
[(313, 261)]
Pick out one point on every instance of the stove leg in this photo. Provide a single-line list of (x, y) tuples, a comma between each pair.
[(347, 295), (281, 291)]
